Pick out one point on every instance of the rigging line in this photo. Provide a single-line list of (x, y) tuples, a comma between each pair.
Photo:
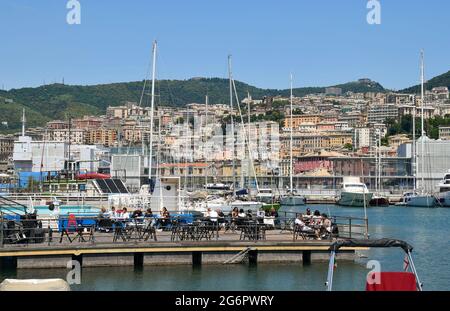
[(145, 83), (246, 135), (167, 81)]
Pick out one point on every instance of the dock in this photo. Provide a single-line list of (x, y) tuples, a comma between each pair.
[(279, 247)]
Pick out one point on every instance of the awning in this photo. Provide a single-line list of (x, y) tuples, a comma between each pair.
[(371, 243)]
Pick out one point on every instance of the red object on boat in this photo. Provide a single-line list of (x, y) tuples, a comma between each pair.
[(92, 176), (393, 281)]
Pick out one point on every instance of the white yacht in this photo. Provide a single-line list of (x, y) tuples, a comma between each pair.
[(354, 193), (421, 200), (444, 190), (266, 196)]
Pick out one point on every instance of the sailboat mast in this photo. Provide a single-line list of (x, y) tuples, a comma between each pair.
[(414, 146), (205, 135), (230, 75), (291, 181), (422, 95), (152, 108)]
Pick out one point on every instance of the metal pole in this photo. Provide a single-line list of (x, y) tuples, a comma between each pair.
[(152, 109), (1, 229), (230, 74), (413, 268), (329, 283)]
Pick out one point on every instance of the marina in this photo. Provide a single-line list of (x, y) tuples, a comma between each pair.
[(420, 226), (222, 147)]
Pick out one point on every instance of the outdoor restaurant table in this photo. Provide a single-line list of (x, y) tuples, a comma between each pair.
[(252, 230), (269, 220)]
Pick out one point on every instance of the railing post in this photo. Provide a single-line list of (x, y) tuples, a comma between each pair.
[(1, 229), (350, 227), (367, 227)]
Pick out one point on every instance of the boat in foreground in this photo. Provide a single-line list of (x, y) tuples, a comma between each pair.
[(406, 280)]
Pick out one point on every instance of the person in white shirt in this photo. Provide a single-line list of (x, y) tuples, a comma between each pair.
[(125, 214), (299, 222), (213, 215), (242, 214)]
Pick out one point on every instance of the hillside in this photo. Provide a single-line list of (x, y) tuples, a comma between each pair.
[(58, 101), (441, 80)]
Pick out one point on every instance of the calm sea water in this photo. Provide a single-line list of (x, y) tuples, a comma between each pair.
[(426, 229)]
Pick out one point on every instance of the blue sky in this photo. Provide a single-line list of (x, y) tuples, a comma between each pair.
[(323, 42)]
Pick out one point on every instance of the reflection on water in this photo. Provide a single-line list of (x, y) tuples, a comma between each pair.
[(426, 229)]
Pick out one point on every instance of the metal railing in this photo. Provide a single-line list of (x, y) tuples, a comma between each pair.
[(53, 231)]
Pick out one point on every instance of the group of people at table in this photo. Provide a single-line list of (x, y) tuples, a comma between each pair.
[(123, 216), (314, 223), (318, 224)]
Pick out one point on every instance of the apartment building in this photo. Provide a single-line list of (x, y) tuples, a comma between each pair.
[(444, 132), (6, 147), (380, 113), (74, 136), (102, 136)]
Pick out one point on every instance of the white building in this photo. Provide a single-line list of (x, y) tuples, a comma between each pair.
[(361, 137)]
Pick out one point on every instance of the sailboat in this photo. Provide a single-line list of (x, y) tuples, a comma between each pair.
[(292, 199), (378, 199), (226, 204), (420, 198)]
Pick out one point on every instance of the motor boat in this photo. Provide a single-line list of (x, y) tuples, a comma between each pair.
[(354, 193), (444, 190), (421, 200), (292, 199), (379, 200)]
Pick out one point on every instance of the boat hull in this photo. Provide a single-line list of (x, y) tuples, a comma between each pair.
[(354, 199), (379, 201), (293, 201), (421, 201), (445, 199)]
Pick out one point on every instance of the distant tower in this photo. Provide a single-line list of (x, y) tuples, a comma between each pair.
[(24, 120)]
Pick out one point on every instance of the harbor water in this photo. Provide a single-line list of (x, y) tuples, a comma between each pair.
[(427, 230)]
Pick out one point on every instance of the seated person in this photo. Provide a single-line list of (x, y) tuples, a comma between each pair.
[(249, 214), (137, 213), (221, 216), (125, 214), (299, 222), (242, 214), (212, 215), (148, 213), (308, 216), (316, 220), (304, 228), (104, 220), (164, 218), (235, 213), (273, 212), (326, 225)]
